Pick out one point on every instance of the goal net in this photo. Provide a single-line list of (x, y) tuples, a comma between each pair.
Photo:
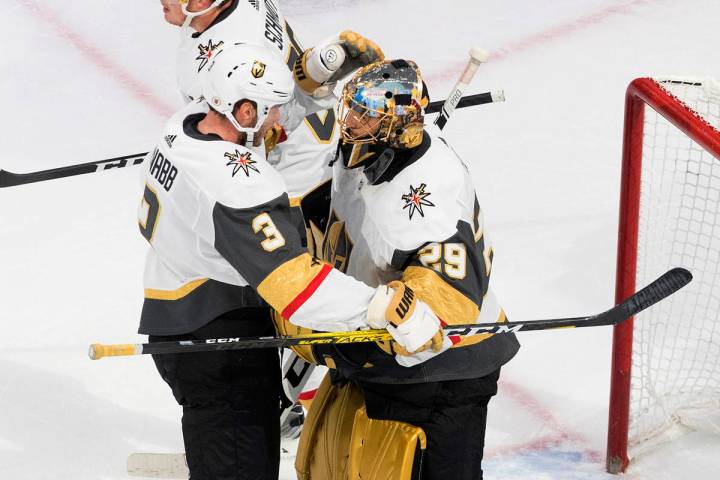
[(666, 362)]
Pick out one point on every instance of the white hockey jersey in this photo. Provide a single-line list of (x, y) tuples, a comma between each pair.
[(421, 224), (303, 158), (254, 22), (218, 218)]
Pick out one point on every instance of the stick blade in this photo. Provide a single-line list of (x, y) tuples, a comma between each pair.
[(667, 284), (9, 179)]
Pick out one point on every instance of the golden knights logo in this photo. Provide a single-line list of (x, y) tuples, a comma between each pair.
[(337, 246), (416, 199), (241, 161), (258, 69), (207, 52)]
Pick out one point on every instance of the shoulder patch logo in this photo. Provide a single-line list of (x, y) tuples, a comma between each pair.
[(255, 4), (416, 199), (258, 69), (169, 139), (241, 162), (207, 52)]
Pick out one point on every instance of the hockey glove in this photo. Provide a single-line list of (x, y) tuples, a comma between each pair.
[(333, 59), (275, 134), (410, 321)]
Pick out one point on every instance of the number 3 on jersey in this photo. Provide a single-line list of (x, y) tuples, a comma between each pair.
[(273, 238), (147, 226)]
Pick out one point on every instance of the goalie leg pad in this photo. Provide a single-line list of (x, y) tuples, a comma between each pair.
[(339, 441), (385, 449), (325, 440)]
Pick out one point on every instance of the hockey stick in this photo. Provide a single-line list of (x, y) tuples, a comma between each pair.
[(667, 284), (477, 56), (10, 179)]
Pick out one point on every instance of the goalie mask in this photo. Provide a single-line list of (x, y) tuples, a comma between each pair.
[(247, 72), (382, 105)]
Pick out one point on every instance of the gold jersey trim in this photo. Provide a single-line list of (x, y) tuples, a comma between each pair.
[(176, 294), (284, 284)]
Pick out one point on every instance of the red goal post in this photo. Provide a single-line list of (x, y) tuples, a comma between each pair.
[(700, 143)]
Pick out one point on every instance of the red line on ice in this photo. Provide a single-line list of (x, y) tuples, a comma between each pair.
[(545, 416), (544, 36), (97, 57), (539, 444)]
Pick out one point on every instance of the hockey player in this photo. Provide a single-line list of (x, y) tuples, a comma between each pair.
[(225, 245), (302, 159), (210, 25), (404, 211)]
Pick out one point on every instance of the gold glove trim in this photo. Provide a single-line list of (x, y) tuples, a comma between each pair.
[(302, 78), (453, 307), (402, 305)]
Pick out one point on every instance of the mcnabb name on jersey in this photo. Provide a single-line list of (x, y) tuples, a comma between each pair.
[(163, 170)]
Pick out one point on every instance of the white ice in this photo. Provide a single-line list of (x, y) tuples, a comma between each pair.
[(85, 80)]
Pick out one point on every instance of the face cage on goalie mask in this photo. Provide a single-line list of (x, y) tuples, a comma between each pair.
[(362, 115)]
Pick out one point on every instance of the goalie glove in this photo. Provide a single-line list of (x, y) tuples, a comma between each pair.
[(413, 326), (333, 59)]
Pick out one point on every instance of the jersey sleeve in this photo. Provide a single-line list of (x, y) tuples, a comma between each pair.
[(453, 277), (303, 105), (255, 229)]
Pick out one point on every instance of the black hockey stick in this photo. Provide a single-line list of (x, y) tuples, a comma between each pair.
[(10, 179), (468, 101), (664, 286)]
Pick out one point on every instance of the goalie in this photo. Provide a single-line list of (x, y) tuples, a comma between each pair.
[(404, 211)]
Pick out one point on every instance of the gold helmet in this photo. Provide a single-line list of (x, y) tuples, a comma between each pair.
[(383, 103)]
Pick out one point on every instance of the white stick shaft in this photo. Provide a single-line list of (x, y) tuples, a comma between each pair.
[(460, 87)]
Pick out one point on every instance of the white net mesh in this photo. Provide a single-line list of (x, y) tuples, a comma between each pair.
[(676, 345)]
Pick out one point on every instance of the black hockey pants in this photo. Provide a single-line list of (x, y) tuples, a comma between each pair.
[(453, 415), (230, 400)]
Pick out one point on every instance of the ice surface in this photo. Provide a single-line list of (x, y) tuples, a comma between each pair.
[(85, 80)]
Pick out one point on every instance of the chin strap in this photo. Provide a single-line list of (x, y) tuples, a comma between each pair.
[(190, 15), (248, 131)]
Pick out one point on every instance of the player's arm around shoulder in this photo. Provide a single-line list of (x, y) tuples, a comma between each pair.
[(249, 221)]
